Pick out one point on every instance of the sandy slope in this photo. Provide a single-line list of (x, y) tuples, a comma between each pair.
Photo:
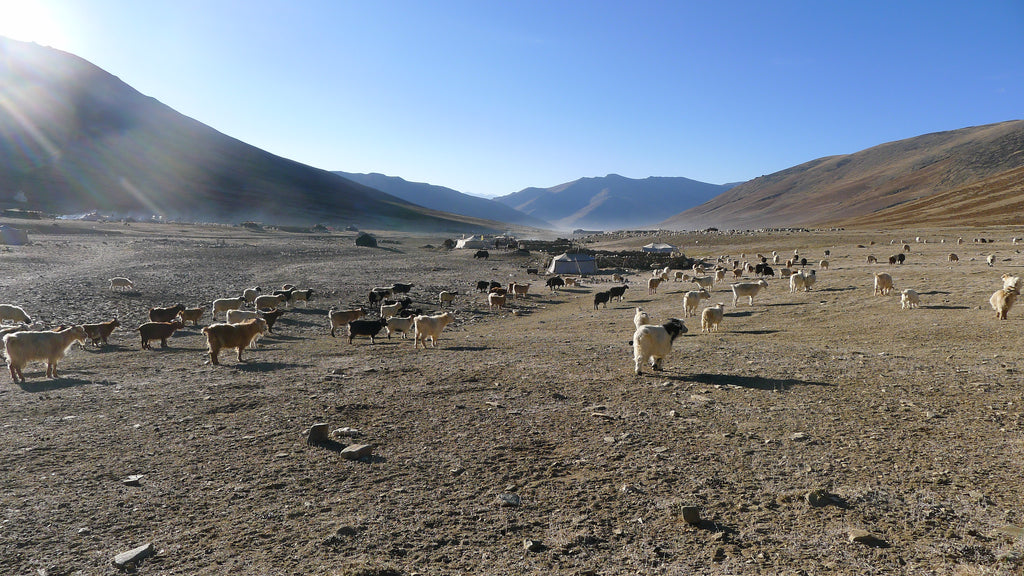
[(911, 419)]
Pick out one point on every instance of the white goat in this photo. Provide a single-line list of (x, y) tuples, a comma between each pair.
[(909, 299), (691, 301), (447, 297), (747, 290), (389, 310), (50, 347), (883, 284), (430, 327), (399, 324), (122, 283), (14, 314), (711, 317), (225, 304), (652, 343), (641, 318)]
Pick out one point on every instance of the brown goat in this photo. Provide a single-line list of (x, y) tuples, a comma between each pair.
[(100, 332), (238, 336), (165, 314), (193, 314), (158, 331)]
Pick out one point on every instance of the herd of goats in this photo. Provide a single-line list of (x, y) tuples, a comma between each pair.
[(26, 341)]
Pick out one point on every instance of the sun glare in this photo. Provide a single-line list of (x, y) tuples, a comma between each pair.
[(29, 22)]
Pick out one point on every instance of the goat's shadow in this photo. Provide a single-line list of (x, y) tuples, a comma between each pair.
[(940, 307), (467, 348), (258, 366), (753, 382), (49, 385), (756, 332)]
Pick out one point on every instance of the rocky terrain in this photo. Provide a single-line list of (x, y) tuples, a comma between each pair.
[(821, 432)]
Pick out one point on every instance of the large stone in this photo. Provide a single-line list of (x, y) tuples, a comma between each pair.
[(691, 514), (357, 451), (318, 434), (133, 557), (867, 538)]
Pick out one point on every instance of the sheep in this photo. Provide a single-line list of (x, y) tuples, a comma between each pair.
[(482, 254), (225, 304), (652, 285), (618, 278), (399, 324), (711, 317), (602, 298), (496, 300), (482, 285), (785, 272), (100, 332), (250, 294), (796, 282), (678, 276), (365, 328), (953, 257), (737, 272), (532, 272), (892, 260), (284, 294), (1011, 282), (617, 291), (430, 327), (991, 259), (641, 318), (24, 347), (499, 290), (158, 331), (1002, 300), (122, 283), (872, 260), (399, 288), (447, 297), (518, 290), (823, 264), (387, 311), (691, 300), (747, 290), (339, 318), (378, 294), (906, 248), (809, 279), (193, 314), (901, 258), (165, 314), (653, 343), (569, 281), (909, 299), (237, 336), (705, 282), (239, 316), (555, 282), (883, 284), (719, 276), (14, 314), (268, 301), (303, 296)]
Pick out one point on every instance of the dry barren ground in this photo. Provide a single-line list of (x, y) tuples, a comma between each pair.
[(521, 444)]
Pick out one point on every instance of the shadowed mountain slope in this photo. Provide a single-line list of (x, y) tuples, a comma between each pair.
[(74, 138), (853, 186)]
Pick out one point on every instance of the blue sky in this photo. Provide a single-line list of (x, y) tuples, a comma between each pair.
[(491, 97)]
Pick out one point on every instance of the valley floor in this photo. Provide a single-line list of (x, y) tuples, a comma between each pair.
[(521, 443)]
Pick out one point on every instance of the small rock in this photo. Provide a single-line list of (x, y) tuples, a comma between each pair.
[(533, 545), (133, 480), (84, 531), (691, 514), (346, 432), (798, 436), (867, 538), (509, 500), (318, 434), (822, 498), (132, 557), (357, 451)]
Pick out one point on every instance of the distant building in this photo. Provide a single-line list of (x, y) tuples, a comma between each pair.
[(573, 263), (659, 248)]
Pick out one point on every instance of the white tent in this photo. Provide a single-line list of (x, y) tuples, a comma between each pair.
[(472, 243), (573, 264), (659, 248), (13, 236)]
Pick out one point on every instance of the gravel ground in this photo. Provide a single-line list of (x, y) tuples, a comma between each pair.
[(820, 432)]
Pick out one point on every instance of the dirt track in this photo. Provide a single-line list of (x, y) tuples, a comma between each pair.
[(910, 421)]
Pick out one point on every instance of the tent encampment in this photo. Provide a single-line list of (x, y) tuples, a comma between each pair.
[(575, 263), (472, 243), (659, 248)]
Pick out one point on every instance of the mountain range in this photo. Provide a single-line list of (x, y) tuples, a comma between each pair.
[(74, 138), (613, 201)]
